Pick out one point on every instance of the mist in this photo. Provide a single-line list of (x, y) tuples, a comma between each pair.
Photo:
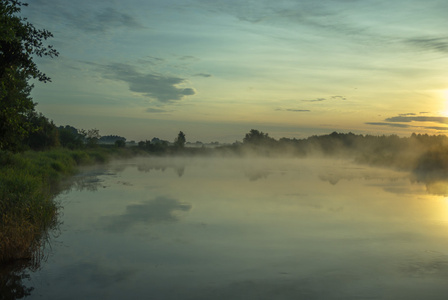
[(329, 217), (248, 226), (422, 156)]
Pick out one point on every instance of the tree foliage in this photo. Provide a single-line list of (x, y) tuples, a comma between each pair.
[(179, 142), (91, 136), (111, 139), (120, 143), (43, 133), (69, 137), (20, 42), (256, 137)]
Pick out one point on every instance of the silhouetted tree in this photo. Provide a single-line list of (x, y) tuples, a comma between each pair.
[(20, 41), (179, 142), (91, 136), (69, 137), (43, 134), (256, 137), (120, 143), (111, 139)]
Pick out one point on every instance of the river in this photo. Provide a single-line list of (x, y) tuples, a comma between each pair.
[(233, 228)]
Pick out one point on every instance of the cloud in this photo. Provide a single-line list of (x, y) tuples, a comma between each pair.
[(438, 44), (163, 88), (161, 209), (293, 110), (388, 124), (111, 17), (338, 98), (412, 117), (325, 99), (298, 110), (407, 119), (437, 128), (188, 57), (202, 75), (322, 17), (87, 16), (157, 110), (151, 60), (315, 100)]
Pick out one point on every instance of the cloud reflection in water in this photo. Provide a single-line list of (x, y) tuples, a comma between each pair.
[(161, 209)]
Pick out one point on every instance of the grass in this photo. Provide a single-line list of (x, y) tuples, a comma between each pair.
[(28, 184)]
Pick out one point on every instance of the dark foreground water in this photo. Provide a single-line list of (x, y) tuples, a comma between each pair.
[(164, 228)]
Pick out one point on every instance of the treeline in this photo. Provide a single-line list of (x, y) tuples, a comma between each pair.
[(418, 152), (156, 145), (423, 154), (40, 134)]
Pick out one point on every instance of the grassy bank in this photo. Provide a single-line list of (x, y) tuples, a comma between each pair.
[(28, 182)]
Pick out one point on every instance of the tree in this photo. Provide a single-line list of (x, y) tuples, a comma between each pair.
[(91, 136), (179, 142), (43, 134), (19, 42), (120, 143), (256, 137), (69, 137)]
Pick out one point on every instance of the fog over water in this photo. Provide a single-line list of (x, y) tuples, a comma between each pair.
[(234, 228)]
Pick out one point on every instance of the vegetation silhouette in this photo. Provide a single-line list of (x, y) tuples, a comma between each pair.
[(20, 42)]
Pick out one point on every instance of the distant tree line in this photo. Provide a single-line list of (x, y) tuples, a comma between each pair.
[(424, 154), (156, 145), (111, 139)]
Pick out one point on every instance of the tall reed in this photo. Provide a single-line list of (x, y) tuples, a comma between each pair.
[(28, 182)]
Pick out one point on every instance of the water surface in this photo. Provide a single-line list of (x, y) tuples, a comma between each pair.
[(173, 228)]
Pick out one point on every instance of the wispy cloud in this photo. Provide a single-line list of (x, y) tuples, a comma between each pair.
[(202, 75), (160, 87), (155, 110), (315, 100), (388, 124), (293, 110), (439, 44), (98, 17), (338, 98), (298, 110), (111, 17), (326, 99), (407, 119), (151, 60), (322, 17), (407, 114), (437, 128)]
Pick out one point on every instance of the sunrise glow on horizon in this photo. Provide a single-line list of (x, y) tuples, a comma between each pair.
[(215, 69)]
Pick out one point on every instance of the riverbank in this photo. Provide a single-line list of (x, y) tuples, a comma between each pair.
[(28, 183)]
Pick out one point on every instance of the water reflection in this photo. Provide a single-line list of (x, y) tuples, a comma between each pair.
[(96, 273), (436, 182), (260, 229), (162, 164), (433, 264), (15, 276), (160, 209), (12, 277), (255, 175), (87, 180)]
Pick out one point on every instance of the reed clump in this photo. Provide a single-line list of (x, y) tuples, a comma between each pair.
[(28, 183)]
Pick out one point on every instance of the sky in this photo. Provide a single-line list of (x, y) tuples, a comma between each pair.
[(215, 69)]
